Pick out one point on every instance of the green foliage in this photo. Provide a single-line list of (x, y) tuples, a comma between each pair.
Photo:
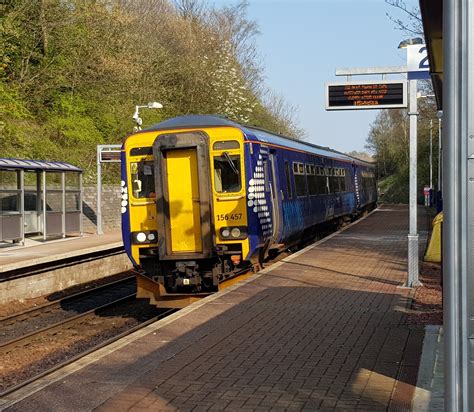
[(361, 155), (71, 72), (11, 104), (389, 141), (394, 188)]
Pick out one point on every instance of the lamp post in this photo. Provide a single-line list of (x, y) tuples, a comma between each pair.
[(421, 96), (431, 154), (413, 269), (439, 115), (136, 116)]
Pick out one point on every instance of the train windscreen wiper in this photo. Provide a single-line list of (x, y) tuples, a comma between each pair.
[(231, 163)]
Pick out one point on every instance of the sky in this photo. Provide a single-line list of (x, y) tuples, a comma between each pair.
[(302, 42)]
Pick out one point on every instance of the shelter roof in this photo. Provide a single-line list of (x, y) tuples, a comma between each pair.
[(432, 17), (8, 163)]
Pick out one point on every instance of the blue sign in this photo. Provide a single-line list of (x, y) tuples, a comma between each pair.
[(417, 62)]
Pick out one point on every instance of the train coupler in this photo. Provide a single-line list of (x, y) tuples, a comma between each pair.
[(186, 274)]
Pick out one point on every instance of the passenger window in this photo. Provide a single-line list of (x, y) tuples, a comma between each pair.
[(321, 181), (227, 173), (143, 179), (312, 180), (300, 179)]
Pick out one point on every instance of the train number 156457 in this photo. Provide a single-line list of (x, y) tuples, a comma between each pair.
[(233, 216)]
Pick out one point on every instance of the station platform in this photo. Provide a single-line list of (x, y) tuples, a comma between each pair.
[(37, 253), (33, 273), (326, 328)]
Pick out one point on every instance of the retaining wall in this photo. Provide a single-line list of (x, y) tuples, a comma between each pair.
[(111, 215), (64, 274)]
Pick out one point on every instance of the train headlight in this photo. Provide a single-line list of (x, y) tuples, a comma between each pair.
[(233, 233), (141, 237), (145, 237)]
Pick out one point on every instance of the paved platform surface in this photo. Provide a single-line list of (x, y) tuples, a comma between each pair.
[(37, 253), (429, 395), (325, 329)]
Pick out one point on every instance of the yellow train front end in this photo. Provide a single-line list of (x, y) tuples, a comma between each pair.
[(186, 221)]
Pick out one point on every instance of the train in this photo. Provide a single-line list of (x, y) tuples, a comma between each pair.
[(206, 199)]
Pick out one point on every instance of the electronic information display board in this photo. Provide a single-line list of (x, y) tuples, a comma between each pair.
[(384, 94)]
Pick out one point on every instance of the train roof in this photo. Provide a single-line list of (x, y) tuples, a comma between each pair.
[(252, 133), (8, 163)]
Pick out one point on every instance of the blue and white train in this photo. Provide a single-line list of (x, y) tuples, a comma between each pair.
[(205, 198)]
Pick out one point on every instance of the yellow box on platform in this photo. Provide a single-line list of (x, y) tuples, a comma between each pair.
[(433, 253)]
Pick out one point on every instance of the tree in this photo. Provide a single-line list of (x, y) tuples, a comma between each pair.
[(71, 71), (361, 155), (411, 23)]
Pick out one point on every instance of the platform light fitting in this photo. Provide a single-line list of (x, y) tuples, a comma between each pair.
[(136, 116), (410, 42)]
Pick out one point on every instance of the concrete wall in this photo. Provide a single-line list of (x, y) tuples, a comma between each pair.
[(63, 276), (111, 216)]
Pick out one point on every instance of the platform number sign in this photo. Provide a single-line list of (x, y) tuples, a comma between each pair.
[(418, 66)]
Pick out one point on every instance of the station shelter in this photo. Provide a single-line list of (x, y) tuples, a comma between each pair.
[(39, 198)]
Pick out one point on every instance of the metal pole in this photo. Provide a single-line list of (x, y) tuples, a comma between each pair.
[(99, 193), (81, 209), (63, 209), (457, 214), (431, 154), (44, 206), (22, 205), (467, 137), (413, 234), (439, 156)]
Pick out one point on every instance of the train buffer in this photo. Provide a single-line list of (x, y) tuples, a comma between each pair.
[(325, 328)]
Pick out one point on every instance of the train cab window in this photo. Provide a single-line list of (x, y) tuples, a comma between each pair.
[(141, 151), (288, 180), (143, 179), (227, 173)]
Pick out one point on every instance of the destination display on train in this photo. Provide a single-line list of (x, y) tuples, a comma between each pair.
[(366, 95)]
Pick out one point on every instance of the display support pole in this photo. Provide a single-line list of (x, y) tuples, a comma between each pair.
[(413, 230), (99, 193)]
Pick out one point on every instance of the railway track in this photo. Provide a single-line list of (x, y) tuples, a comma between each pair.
[(31, 320), (68, 323), (40, 351)]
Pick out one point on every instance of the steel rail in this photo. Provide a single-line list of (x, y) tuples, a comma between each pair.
[(47, 307), (85, 353), (61, 325)]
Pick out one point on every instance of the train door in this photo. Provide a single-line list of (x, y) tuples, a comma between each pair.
[(275, 196), (183, 200), (183, 195)]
